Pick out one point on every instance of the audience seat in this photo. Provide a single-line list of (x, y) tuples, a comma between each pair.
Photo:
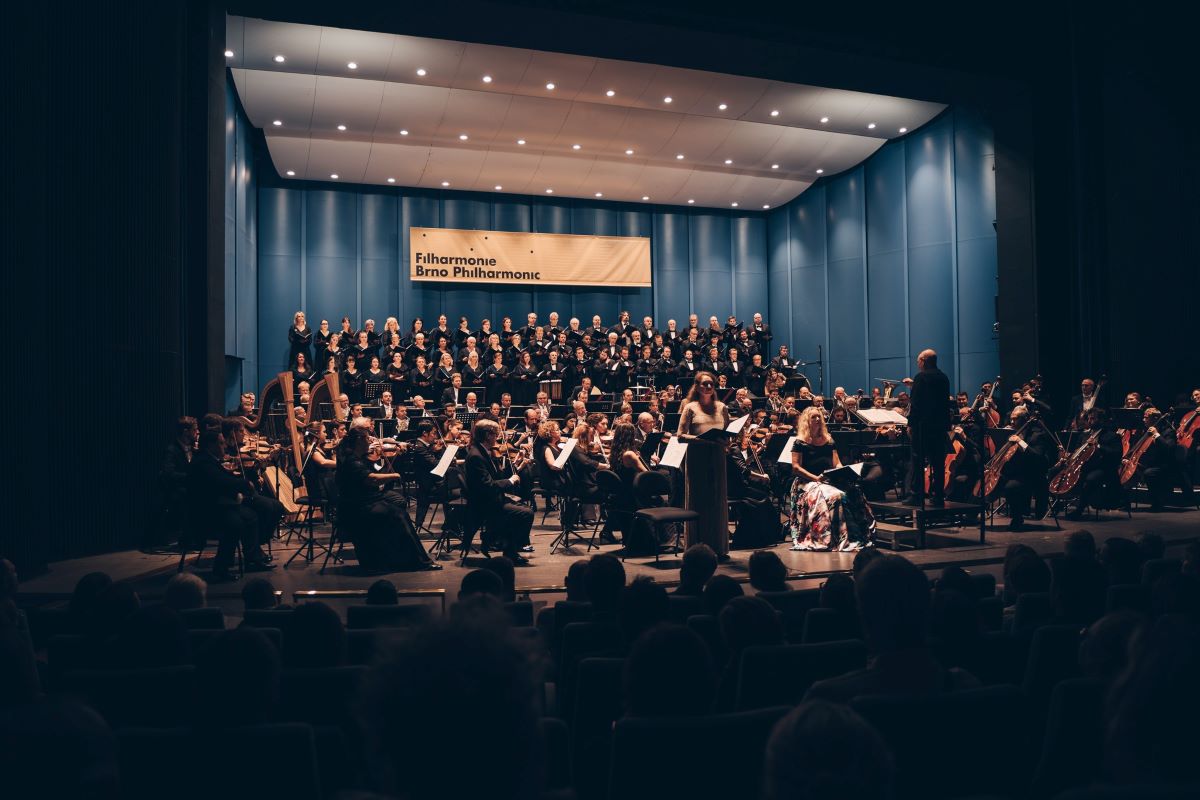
[(1033, 610), (556, 748), (984, 584), (794, 605), (520, 612), (708, 628), (781, 674), (977, 741), (1128, 597), (363, 645), (267, 617), (991, 612), (998, 658), (1053, 657), (252, 762), (683, 606), (580, 640), (152, 698), (828, 625), (207, 619), (599, 702), (45, 623), (199, 639), (69, 652), (1072, 747), (1157, 568), (714, 757), (399, 616), (320, 696)]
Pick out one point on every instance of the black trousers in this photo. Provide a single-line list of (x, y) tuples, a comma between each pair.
[(267, 511), (232, 524), (1091, 488), (929, 448), (508, 526), (1161, 481), (384, 537)]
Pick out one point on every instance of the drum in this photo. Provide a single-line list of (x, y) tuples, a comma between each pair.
[(553, 389)]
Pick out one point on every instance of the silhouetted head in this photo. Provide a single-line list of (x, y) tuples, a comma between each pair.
[(669, 672), (719, 590), (767, 572), (698, 564), (825, 751), (314, 637), (644, 604), (604, 581), (893, 604)]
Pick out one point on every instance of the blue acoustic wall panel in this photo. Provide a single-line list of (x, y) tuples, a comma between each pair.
[(241, 254), (870, 266)]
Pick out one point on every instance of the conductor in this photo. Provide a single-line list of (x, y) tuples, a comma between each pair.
[(928, 425)]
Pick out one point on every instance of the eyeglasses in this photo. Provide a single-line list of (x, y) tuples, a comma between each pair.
[(706, 384)]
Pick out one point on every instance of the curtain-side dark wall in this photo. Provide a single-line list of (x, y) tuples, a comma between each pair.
[(96, 253)]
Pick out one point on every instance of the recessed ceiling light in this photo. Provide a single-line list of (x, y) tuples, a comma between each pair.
[(421, 72), (549, 191), (609, 93), (498, 187), (403, 132), (291, 173), (728, 161), (462, 137), (550, 86), (870, 126), (679, 156), (733, 204), (766, 206), (599, 194), (691, 201), (645, 197), (341, 127), (520, 141), (824, 120), (352, 65), (334, 176), (277, 123), (668, 99), (722, 107), (445, 183), (628, 152), (487, 78), (774, 166), (775, 112), (279, 59), (904, 130), (576, 146), (229, 54), (391, 180), (820, 171)]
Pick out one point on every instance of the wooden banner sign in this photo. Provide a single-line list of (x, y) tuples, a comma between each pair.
[(502, 258)]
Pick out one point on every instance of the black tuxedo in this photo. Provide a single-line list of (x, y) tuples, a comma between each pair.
[(928, 424), (452, 395), (213, 498), (507, 523)]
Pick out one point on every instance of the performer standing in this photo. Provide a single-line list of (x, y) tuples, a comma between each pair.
[(705, 488), (928, 424)]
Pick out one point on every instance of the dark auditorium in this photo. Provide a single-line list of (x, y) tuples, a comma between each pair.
[(580, 400)]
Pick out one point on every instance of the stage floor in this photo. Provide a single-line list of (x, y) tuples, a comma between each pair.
[(149, 571)]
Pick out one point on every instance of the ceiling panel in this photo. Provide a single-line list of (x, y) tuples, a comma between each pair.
[(314, 90)]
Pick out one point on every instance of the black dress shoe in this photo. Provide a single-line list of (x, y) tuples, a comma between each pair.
[(432, 565), (259, 566), (518, 560)]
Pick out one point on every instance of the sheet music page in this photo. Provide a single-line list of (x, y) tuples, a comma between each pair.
[(444, 464), (673, 455), (786, 456), (736, 426), (565, 453)]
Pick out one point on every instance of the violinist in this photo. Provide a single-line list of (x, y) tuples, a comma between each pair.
[(1134, 400), (375, 519), (578, 415), (426, 452), (1098, 477), (839, 419), (1162, 466), (575, 480), (267, 510), (756, 483), (215, 496), (528, 428), (318, 469), (1023, 477), (490, 480), (300, 338)]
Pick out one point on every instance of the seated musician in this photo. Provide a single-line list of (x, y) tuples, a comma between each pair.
[(1023, 478), (419, 407), (965, 467), (426, 452), (215, 496), (1098, 478), (374, 518), (577, 416), (245, 407), (575, 479), (820, 515), (173, 473), (490, 481), (1163, 465), (755, 485), (267, 509), (742, 404)]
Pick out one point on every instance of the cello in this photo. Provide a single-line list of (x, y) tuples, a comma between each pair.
[(1066, 479), (1185, 434), (1129, 464), (995, 465)]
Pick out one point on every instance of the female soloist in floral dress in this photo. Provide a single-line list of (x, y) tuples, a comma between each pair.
[(820, 516)]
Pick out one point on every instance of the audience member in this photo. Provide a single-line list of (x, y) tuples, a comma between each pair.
[(956, 579), (604, 581), (669, 673), (481, 581), (1122, 559), (1191, 559), (153, 636), (83, 598), (824, 751), (1080, 545), (837, 592), (644, 604), (382, 593), (1104, 651), (57, 747), (112, 606), (719, 590), (576, 581), (1077, 590), (894, 610), (237, 679), (185, 591), (864, 557), (507, 573), (767, 572), (698, 564), (1024, 572), (1151, 545), (1177, 594), (259, 595), (313, 637), (468, 677)]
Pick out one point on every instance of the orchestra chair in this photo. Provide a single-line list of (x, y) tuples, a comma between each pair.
[(454, 509), (471, 525), (329, 510), (315, 497), (614, 506), (1131, 596), (198, 536), (556, 747), (653, 490)]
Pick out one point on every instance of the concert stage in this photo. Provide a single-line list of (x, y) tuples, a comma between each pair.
[(148, 572)]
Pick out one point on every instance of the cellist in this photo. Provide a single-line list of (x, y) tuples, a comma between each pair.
[(1023, 477), (1163, 465), (1100, 472)]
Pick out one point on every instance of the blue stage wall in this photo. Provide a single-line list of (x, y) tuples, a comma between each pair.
[(241, 253), (907, 234)]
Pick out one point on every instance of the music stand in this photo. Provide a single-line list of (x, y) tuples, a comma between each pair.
[(375, 390), (1130, 419)]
